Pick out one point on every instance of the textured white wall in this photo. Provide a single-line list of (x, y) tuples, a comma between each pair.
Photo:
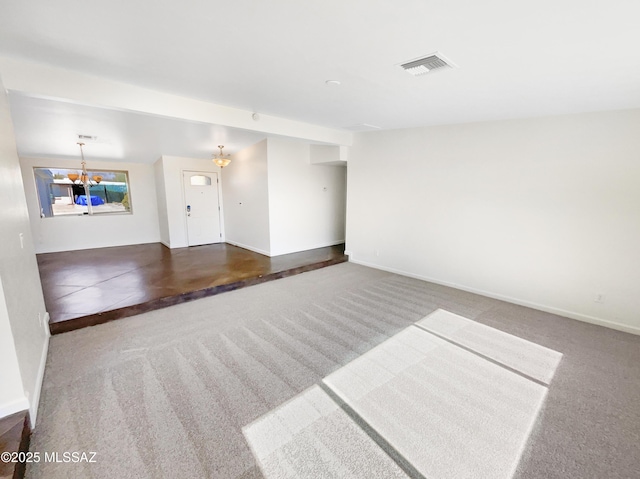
[(246, 199), (100, 231), (306, 202), (542, 212), (176, 220), (22, 309)]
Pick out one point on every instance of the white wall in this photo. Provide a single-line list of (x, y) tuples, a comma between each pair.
[(542, 212), (161, 195), (12, 397), (277, 202), (306, 202), (22, 310), (329, 155), (174, 221), (83, 232), (246, 199)]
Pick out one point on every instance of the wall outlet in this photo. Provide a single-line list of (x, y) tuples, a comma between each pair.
[(599, 298)]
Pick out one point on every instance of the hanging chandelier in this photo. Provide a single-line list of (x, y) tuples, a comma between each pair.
[(87, 182), (220, 159), (83, 177)]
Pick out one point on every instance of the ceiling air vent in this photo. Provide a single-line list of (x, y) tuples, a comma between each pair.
[(433, 62), (87, 138)]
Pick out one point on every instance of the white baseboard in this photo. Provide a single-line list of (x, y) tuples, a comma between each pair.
[(166, 243), (307, 248), (177, 245), (33, 407), (250, 248), (20, 404), (333, 243), (541, 307)]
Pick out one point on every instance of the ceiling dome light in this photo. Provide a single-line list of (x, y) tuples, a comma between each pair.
[(220, 159)]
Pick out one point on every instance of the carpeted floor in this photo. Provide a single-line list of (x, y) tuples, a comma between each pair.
[(168, 393)]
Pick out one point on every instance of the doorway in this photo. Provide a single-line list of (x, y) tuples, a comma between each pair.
[(202, 207)]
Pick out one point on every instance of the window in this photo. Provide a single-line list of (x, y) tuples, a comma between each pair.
[(58, 195), (200, 180)]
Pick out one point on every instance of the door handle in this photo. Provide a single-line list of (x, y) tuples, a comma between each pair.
[(188, 210)]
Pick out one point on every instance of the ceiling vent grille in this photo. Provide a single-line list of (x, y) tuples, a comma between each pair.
[(87, 137), (430, 63)]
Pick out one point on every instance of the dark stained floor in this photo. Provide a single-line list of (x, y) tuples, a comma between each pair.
[(14, 438), (88, 287)]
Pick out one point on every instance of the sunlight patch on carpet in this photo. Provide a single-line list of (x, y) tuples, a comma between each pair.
[(310, 437), (447, 397), (529, 358)]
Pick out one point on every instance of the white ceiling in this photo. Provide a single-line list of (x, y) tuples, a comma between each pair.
[(47, 128), (516, 59)]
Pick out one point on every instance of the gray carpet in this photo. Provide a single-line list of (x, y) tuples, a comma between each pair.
[(446, 410), (167, 393)]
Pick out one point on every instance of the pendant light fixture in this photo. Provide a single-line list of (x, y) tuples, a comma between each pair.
[(220, 159), (84, 179)]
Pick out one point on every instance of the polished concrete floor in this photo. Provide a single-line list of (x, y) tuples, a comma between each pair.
[(88, 287)]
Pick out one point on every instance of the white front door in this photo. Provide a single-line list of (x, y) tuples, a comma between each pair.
[(202, 207)]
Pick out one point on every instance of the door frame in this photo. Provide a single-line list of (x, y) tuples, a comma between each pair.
[(184, 201)]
